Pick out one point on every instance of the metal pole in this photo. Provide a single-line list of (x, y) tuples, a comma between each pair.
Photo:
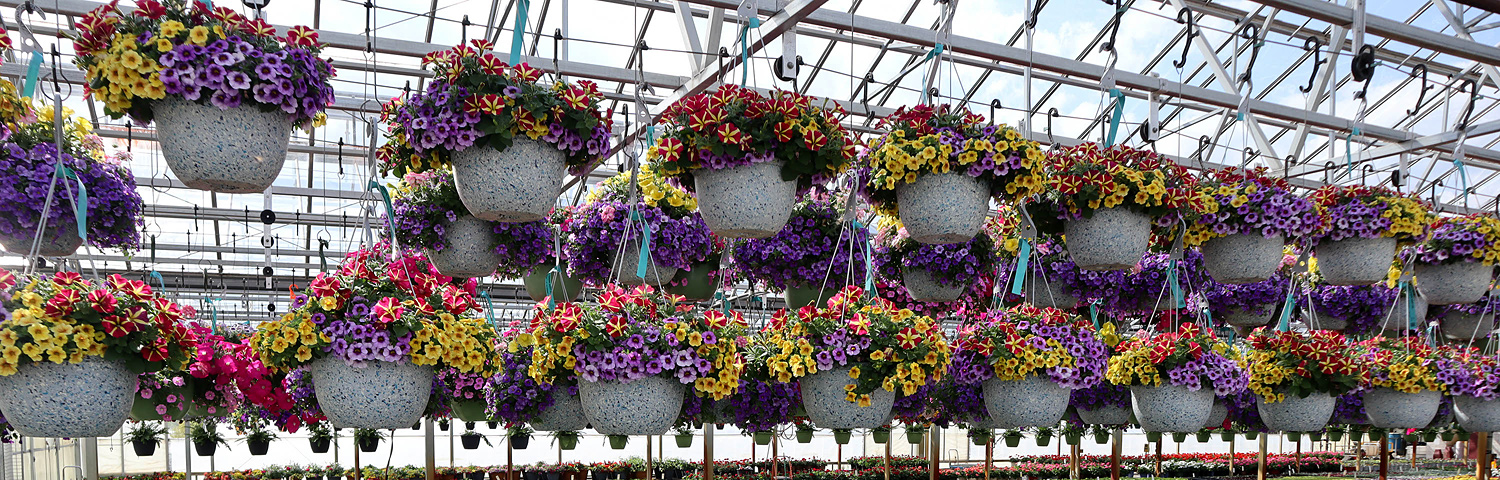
[(90, 451), (775, 454), (886, 462), (1231, 454), (187, 448), (510, 466), (649, 471)]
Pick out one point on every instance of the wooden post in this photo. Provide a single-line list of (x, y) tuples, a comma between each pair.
[(989, 455), (1114, 453), (358, 473), (1385, 455), (708, 452), (510, 466), (1158, 458), (650, 473), (1231, 455), (934, 452), (1260, 459), (887, 461), (774, 455), (1482, 462), (1073, 463), (429, 443), (1298, 456)]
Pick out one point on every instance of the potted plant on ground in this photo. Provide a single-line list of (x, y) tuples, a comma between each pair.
[(1105, 201), (320, 437), (85, 341), (1359, 230), (102, 183), (470, 439), (335, 471), (931, 273), (223, 121), (1243, 220), (430, 216), (812, 257), (937, 168), (144, 438), (372, 333), (844, 355), (604, 238), (205, 436), (368, 439), (1297, 377), (1174, 377), (617, 336), (746, 156), (1029, 361), (508, 137), (1402, 389)]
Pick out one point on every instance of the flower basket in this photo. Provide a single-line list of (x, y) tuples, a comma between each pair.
[(1389, 408), (1295, 437), (205, 448), (237, 150), (1242, 258), (980, 438), (1107, 226), (1448, 435), (1296, 377), (1226, 435), (469, 249), (469, 410), (1168, 402), (1335, 435), (804, 435), (618, 442), (1013, 439), (380, 395), (565, 414), (1427, 436), (1008, 347), (1297, 414), (1179, 437), (841, 436), (517, 184), (915, 436), (1476, 414), (1203, 436), (943, 208), (564, 287), (763, 438), (368, 445), (1455, 261), (923, 287), (1153, 436), (144, 448), (470, 442), (1463, 325), (520, 441), (1101, 437), (799, 296), (58, 240), (824, 397), (1355, 261), (684, 440), (646, 406), (745, 201), (319, 445), (1251, 435), (697, 283), (1450, 283), (258, 447), (1043, 439), (880, 435), (1241, 219), (1034, 401), (1073, 438), (1111, 239), (1360, 229), (1171, 408), (603, 236)]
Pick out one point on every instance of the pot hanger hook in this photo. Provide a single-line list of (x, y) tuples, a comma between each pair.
[(1185, 16), (1421, 94), (1314, 45)]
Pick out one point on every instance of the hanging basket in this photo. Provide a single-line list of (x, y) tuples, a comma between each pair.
[(381, 395), (804, 435), (1464, 326), (1458, 282), (1012, 440), (798, 296), (1243, 258), (880, 435), (1476, 414), (1355, 260), (656, 274), (823, 396), (515, 185), (1293, 414), (470, 442), (564, 287), (471, 410), (91, 398), (319, 445), (258, 447), (841, 436), (1171, 408), (646, 406), (239, 150), (1106, 415), (1319, 321), (698, 285), (942, 208), (1112, 239), (747, 201), (565, 414), (1244, 319), (1217, 415), (1388, 408), (1034, 401), (1398, 320), (1204, 436), (206, 449), (57, 241), (924, 287), (684, 440), (468, 249), (144, 409), (144, 448), (1044, 294), (762, 438)]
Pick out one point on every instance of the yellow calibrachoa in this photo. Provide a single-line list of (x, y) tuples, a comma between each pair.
[(924, 140), (64, 318), (653, 189), (1356, 210), (1405, 364), (1474, 237), (904, 350), (1300, 364)]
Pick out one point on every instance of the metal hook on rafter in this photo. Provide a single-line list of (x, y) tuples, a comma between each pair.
[(1312, 44), (1051, 114), (1186, 16), (1467, 86), (994, 105), (1250, 32), (1421, 94), (1114, 28)]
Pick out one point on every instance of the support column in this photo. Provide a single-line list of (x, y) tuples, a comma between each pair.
[(708, 452), (429, 443), (1260, 459), (1385, 455), (1482, 463), (89, 447)]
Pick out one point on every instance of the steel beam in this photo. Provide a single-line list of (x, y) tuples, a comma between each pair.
[(1420, 37), (1229, 85), (688, 27)]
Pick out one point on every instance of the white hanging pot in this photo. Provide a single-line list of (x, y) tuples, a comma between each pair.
[(1355, 260), (515, 185), (1112, 239), (380, 395), (1045, 294), (239, 150), (747, 201), (57, 241), (1243, 258), (924, 287), (1293, 414), (1245, 319), (1389, 408), (1459, 282), (468, 249), (565, 414), (625, 270), (1465, 326), (91, 398), (1171, 408), (1106, 415), (1476, 414), (824, 397), (1398, 320), (942, 208), (646, 406), (1034, 401)]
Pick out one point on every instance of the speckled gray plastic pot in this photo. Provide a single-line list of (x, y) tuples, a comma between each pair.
[(1112, 239), (1105, 415), (1355, 260), (646, 406), (923, 287), (239, 150), (518, 184), (1388, 408), (1476, 414), (1243, 319), (748, 201), (1171, 408), (1217, 415), (943, 207), (1294, 414), (1398, 320), (1242, 258), (625, 270), (1048, 294), (468, 249), (1464, 326), (1034, 401), (1460, 282), (823, 396), (1319, 321), (87, 399), (380, 395), (565, 414), (56, 242)]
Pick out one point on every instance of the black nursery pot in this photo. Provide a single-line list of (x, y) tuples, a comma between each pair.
[(205, 449), (474, 475), (519, 442), (144, 448), (319, 445), (258, 447), (471, 442), (369, 445)]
